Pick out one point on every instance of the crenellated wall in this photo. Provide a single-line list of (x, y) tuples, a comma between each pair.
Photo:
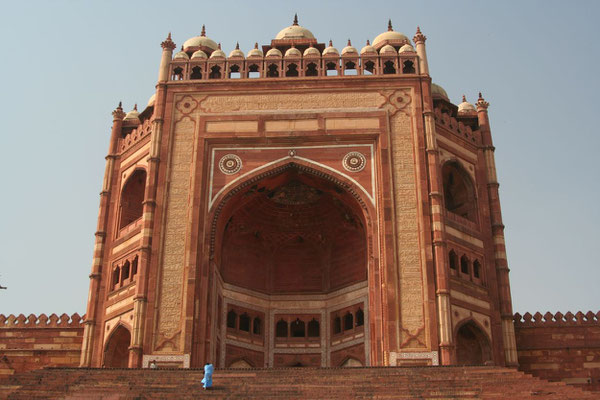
[(33, 342), (560, 347)]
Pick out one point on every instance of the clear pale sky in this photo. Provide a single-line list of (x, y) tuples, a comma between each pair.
[(66, 64)]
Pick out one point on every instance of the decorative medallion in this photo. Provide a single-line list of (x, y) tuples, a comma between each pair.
[(354, 161), (230, 164)]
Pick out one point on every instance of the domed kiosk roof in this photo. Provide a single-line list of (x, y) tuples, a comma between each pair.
[(439, 92), (200, 43), (466, 107), (294, 31), (390, 37)]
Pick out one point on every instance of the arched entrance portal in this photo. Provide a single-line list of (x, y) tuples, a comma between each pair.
[(472, 346), (291, 258), (116, 354)]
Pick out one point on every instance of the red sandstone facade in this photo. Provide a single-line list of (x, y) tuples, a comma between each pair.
[(300, 206)]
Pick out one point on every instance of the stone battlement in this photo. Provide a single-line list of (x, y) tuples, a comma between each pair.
[(557, 319), (41, 321)]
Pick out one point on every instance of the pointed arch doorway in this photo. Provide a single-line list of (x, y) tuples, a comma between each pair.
[(116, 353), (290, 248)]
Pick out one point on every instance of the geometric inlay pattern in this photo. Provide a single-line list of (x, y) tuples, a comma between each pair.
[(230, 164), (354, 161)]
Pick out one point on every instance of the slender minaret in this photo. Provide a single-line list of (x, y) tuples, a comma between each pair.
[(508, 332), (436, 201), (419, 40), (95, 275), (140, 299)]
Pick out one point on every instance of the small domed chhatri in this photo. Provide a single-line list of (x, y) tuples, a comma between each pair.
[(255, 52), (388, 50), (236, 53), (274, 53), (312, 52), (181, 55), (465, 107), (390, 37), (293, 52), (294, 31), (200, 43), (407, 48), (199, 55), (151, 100), (349, 49), (133, 115), (438, 92), (330, 50), (368, 49), (218, 53)]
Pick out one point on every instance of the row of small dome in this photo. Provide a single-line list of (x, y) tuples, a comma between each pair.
[(293, 52)]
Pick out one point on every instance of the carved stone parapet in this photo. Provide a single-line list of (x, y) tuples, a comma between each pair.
[(557, 319)]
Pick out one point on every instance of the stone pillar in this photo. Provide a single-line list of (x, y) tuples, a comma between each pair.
[(506, 314), (419, 40), (440, 256), (141, 296), (96, 274)]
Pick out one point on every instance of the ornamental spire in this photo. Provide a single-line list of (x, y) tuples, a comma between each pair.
[(168, 44), (481, 103), (464, 99), (118, 112), (330, 43), (419, 37), (295, 20), (256, 45), (203, 33), (390, 25), (237, 45), (349, 42)]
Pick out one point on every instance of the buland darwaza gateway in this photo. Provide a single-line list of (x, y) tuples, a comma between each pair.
[(299, 206)]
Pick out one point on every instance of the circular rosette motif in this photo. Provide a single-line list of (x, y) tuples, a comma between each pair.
[(354, 161), (230, 164)]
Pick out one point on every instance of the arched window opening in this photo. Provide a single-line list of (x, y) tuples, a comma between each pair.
[(196, 73), (231, 319), (256, 326), (337, 325), (281, 329), (369, 68), (234, 72), (453, 260), (331, 69), (311, 70), (388, 67), (245, 323), (477, 269), (177, 74), (408, 67), (348, 321), (297, 328), (253, 71), (360, 317), (292, 70), (132, 198), (134, 266), (464, 265), (116, 276), (459, 192), (313, 328), (273, 71), (125, 271), (350, 68), (215, 72)]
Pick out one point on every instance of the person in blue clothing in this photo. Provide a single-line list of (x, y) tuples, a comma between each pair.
[(208, 371)]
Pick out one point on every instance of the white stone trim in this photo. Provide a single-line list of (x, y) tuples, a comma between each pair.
[(182, 358), (431, 355)]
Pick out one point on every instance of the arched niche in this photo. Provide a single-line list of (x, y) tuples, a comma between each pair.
[(472, 345), (116, 350), (132, 198), (459, 191)]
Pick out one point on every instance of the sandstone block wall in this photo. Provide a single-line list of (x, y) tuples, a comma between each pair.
[(560, 347), (33, 342)]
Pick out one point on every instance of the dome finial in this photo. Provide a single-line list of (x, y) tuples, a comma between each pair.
[(295, 19), (256, 45), (464, 99), (237, 45), (390, 25), (330, 43), (219, 45), (203, 33), (135, 107), (481, 103), (349, 42), (368, 42)]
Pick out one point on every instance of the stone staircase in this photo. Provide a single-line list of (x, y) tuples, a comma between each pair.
[(287, 383)]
